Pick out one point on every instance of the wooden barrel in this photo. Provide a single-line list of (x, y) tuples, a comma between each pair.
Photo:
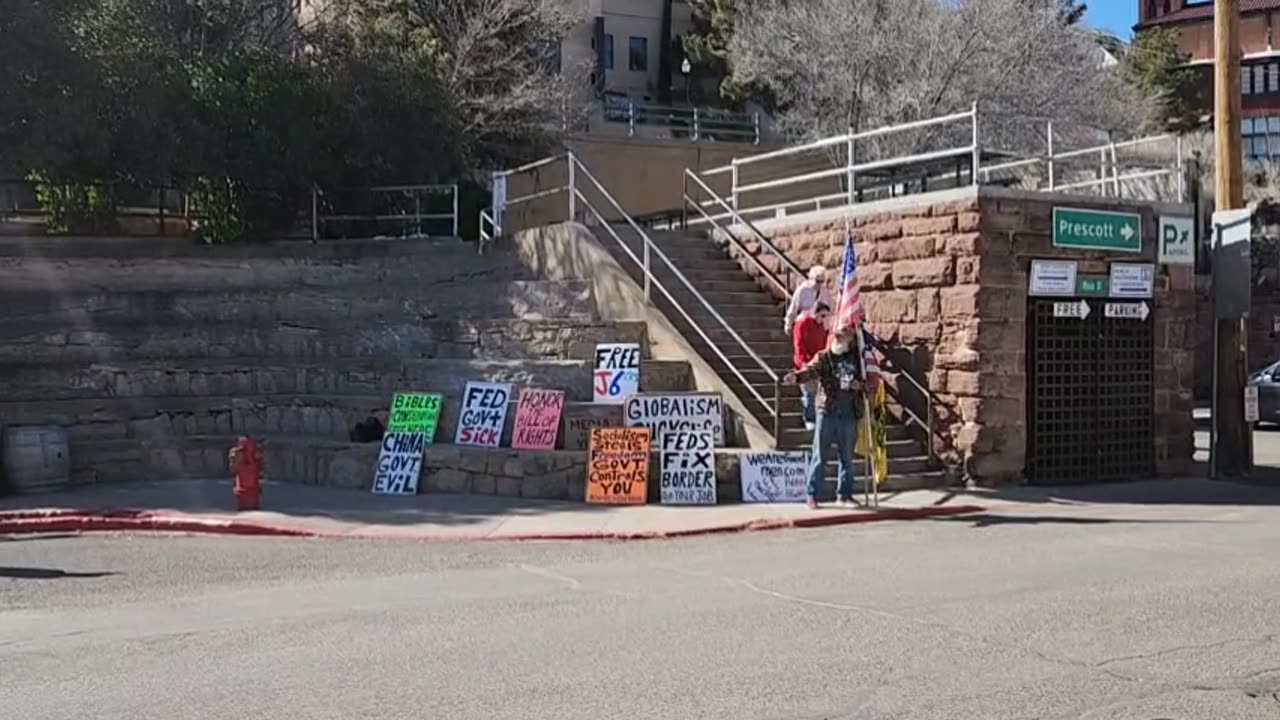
[(36, 458)]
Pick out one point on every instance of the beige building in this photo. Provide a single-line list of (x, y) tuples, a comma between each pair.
[(623, 42)]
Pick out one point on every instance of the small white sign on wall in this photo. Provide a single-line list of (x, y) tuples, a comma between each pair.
[(1053, 277), (1176, 244)]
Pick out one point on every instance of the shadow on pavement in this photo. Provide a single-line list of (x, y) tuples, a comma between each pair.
[(30, 573), (985, 520), (1183, 491)]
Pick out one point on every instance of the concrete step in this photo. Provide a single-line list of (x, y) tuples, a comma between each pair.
[(366, 302), (553, 475), (149, 248), (216, 271), (255, 376), (116, 341)]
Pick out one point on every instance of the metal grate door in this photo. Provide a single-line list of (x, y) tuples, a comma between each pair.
[(1089, 399)]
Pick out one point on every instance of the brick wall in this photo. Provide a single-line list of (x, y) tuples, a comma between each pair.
[(944, 281)]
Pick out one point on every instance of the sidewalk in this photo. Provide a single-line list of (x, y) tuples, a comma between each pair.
[(305, 511)]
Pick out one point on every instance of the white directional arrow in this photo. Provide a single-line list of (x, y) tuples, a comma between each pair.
[(1126, 232), (1078, 309)]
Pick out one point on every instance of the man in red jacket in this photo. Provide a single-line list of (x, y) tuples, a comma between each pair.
[(810, 338)]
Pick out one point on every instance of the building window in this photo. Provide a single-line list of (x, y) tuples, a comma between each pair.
[(1260, 138), (638, 54), (1273, 77), (1246, 81), (1259, 79), (608, 51)]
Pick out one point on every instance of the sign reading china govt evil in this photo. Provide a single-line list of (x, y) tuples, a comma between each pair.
[(676, 412), (1097, 230), (399, 463)]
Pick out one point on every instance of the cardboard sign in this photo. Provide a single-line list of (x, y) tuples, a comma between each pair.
[(775, 477), (537, 419), (618, 466), (399, 463), (676, 412), (577, 430), (415, 412), (617, 372), (688, 472), (484, 411)]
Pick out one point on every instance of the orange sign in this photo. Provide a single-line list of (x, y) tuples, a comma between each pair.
[(618, 466)]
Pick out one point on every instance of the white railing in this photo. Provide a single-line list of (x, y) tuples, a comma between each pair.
[(385, 211), (694, 123), (934, 153), (651, 258)]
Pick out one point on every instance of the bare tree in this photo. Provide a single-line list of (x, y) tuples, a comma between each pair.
[(839, 64)]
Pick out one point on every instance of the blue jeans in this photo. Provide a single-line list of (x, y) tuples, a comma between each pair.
[(839, 428), (808, 403)]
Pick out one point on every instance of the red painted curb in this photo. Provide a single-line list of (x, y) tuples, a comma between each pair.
[(69, 520)]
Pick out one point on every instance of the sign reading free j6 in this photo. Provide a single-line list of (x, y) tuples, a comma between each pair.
[(1097, 230)]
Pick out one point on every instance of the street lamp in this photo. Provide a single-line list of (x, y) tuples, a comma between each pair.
[(686, 67)]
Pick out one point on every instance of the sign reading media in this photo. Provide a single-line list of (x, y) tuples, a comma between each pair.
[(1097, 230)]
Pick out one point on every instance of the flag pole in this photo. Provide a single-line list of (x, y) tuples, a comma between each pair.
[(870, 487)]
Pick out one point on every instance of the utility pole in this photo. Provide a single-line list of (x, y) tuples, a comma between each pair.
[(1234, 438)]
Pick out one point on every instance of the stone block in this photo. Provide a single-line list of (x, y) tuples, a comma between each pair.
[(508, 486), (893, 306), (876, 276), (446, 480), (484, 484), (968, 222), (907, 248), (960, 302), (990, 411), (963, 244), (919, 333), (933, 272), (929, 225), (928, 304), (877, 232)]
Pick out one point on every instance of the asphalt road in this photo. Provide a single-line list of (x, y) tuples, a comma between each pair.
[(1108, 611)]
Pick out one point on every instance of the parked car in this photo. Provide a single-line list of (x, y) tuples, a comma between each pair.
[(1268, 382)]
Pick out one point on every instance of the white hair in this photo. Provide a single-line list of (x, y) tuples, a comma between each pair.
[(816, 272)]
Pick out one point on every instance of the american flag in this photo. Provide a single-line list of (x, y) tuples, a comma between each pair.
[(849, 313)]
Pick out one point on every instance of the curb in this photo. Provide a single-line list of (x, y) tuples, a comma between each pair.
[(123, 520)]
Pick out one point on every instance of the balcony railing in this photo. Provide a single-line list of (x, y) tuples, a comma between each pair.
[(692, 123)]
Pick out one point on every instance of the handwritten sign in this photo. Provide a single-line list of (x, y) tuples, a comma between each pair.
[(617, 372), (676, 412), (688, 472), (618, 466), (415, 412), (577, 429), (537, 419), (775, 477), (484, 411), (399, 463)]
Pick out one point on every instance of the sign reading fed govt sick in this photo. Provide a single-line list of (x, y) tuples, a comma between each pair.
[(1097, 230), (484, 412), (617, 372)]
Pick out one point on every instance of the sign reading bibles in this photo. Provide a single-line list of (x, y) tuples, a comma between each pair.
[(411, 426)]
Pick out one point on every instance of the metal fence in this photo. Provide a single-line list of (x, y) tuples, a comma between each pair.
[(403, 211), (694, 123), (94, 208)]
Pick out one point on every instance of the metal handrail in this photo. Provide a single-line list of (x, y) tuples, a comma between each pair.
[(649, 248), (318, 219), (487, 230), (784, 261)]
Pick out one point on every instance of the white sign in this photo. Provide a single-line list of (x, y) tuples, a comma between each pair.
[(688, 473), (399, 464), (1251, 403), (1134, 311), (1053, 277), (1236, 226), (1133, 280), (775, 477), (1078, 309), (676, 412), (617, 372), (484, 412), (1176, 245)]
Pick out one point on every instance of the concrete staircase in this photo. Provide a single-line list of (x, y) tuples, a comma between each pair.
[(757, 318)]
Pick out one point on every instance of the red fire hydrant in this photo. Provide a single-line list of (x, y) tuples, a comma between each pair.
[(245, 460)]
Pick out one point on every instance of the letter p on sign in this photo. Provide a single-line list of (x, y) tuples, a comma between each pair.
[(1177, 241)]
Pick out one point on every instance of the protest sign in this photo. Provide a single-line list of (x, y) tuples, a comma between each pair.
[(415, 412), (577, 429), (769, 477), (688, 470), (676, 412), (537, 419), (618, 466), (484, 411), (617, 372), (399, 463)]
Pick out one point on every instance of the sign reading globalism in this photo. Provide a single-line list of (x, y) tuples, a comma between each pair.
[(1097, 230)]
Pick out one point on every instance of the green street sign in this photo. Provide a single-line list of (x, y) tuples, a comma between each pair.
[(1097, 230), (1093, 285)]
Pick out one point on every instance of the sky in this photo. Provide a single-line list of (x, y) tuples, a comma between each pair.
[(1117, 16)]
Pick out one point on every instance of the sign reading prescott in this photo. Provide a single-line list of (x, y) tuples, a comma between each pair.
[(688, 473), (1097, 230), (618, 466), (617, 372), (484, 412), (399, 463), (676, 412), (415, 412), (537, 419), (775, 477)]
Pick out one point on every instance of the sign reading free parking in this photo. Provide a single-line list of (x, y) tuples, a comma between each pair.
[(1097, 230)]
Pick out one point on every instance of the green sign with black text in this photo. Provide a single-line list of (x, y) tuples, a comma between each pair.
[(415, 413)]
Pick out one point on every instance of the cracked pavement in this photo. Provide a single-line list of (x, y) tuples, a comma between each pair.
[(1111, 610)]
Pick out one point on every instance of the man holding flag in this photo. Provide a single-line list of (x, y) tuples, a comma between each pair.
[(841, 373)]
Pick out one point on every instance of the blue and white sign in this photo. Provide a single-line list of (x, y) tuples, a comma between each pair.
[(617, 372)]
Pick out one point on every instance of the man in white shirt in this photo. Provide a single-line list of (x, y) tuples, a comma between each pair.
[(810, 293)]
